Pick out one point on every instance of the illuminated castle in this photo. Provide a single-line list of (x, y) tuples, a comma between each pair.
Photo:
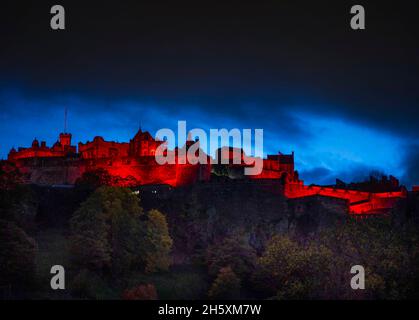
[(133, 163), (142, 145), (62, 148)]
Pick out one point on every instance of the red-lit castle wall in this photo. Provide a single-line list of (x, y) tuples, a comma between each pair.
[(61, 148), (280, 166), (99, 148), (134, 163), (359, 202), (50, 170), (147, 171)]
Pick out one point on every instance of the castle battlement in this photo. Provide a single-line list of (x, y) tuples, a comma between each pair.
[(133, 163)]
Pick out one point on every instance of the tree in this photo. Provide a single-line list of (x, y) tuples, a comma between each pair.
[(141, 292), (90, 285), (158, 242), (126, 182), (107, 231), (233, 251), (94, 179), (110, 232), (10, 176), (19, 205), (319, 268), (226, 286), (17, 254), (17, 201), (293, 270), (385, 251)]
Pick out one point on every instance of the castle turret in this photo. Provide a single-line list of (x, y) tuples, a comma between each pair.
[(65, 139), (143, 144), (35, 143), (189, 141)]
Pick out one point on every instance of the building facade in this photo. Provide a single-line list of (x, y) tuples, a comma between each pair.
[(134, 163)]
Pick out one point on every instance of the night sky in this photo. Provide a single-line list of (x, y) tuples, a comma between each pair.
[(347, 102)]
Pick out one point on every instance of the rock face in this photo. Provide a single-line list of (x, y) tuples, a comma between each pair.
[(50, 171), (66, 171), (312, 214), (143, 160), (207, 212)]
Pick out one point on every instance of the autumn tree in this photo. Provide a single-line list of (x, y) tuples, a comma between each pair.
[(111, 232), (158, 242), (291, 270), (387, 252), (141, 292), (233, 251), (107, 231), (17, 202), (226, 285), (93, 179), (319, 267)]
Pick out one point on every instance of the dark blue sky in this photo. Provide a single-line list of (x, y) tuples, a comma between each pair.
[(346, 102)]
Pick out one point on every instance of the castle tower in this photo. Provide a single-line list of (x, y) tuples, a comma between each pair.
[(35, 144), (65, 139)]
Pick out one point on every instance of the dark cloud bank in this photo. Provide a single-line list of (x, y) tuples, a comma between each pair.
[(245, 62)]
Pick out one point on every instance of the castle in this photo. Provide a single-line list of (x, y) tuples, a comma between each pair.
[(133, 163), (61, 148)]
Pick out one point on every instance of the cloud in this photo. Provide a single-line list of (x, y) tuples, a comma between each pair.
[(411, 165), (326, 148), (339, 99), (318, 175), (26, 116), (221, 59), (353, 173)]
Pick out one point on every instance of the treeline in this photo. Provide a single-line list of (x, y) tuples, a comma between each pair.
[(116, 249), (108, 237), (318, 267)]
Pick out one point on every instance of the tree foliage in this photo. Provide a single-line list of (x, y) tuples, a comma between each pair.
[(386, 251), (106, 230), (319, 268), (111, 232), (233, 251), (10, 176), (141, 292), (94, 179), (17, 254), (226, 286), (158, 242), (17, 201), (295, 270)]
